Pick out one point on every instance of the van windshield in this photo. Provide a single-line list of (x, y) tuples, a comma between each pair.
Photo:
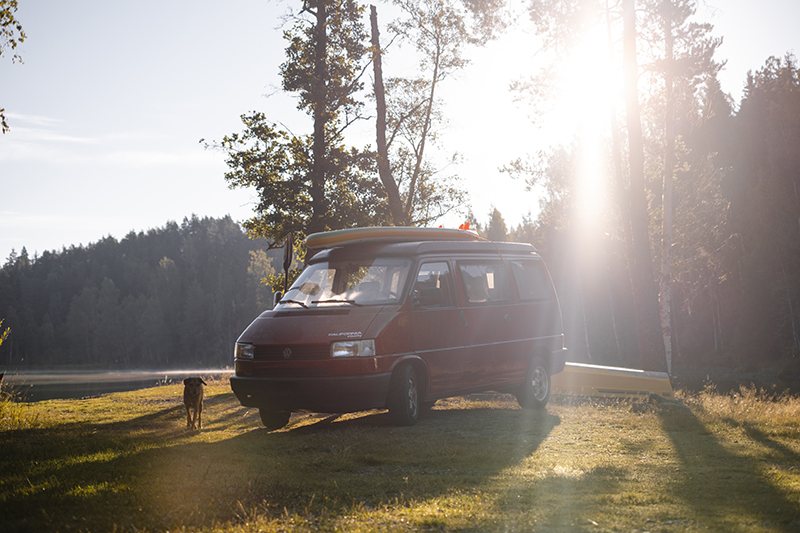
[(376, 281)]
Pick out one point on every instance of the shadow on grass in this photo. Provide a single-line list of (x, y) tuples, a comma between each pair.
[(779, 453), (727, 489), (149, 472), (558, 503), (52, 477)]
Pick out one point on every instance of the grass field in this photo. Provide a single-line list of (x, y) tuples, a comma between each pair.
[(125, 462)]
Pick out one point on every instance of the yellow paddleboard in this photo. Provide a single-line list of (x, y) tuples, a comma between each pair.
[(329, 239), (579, 379)]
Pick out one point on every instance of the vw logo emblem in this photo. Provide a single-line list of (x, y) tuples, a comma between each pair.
[(287, 353)]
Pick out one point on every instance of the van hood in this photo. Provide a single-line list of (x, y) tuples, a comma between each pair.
[(313, 326)]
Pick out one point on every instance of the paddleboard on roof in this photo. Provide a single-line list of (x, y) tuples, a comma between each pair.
[(329, 239)]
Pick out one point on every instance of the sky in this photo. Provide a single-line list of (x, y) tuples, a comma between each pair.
[(112, 99)]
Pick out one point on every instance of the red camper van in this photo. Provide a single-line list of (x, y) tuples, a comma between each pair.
[(396, 318)]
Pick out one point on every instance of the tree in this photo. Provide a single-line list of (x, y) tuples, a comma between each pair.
[(496, 230), (525, 232), (258, 272), (312, 183), (11, 34), (408, 108), (667, 54), (177, 295), (651, 345), (384, 168), (677, 60), (699, 273), (764, 191), (3, 333), (438, 31), (108, 346)]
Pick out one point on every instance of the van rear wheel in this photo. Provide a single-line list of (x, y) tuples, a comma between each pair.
[(535, 392), (403, 401), (274, 419)]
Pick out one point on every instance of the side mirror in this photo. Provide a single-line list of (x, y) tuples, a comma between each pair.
[(276, 297)]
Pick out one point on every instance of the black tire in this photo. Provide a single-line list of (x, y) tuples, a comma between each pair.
[(535, 392), (274, 419), (404, 404)]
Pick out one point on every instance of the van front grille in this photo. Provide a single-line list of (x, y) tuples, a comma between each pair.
[(291, 373), (282, 352)]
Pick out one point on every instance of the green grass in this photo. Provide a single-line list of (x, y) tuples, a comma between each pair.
[(125, 462)]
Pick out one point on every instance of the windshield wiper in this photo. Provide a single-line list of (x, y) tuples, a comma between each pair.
[(336, 301), (287, 301)]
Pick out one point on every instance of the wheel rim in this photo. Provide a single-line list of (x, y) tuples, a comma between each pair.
[(412, 399), (539, 384)]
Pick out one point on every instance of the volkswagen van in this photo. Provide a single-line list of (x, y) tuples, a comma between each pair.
[(397, 318)]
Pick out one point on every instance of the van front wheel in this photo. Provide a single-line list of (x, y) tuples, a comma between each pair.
[(274, 419), (404, 397), (535, 392)]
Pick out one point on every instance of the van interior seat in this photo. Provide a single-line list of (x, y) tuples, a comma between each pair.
[(368, 290), (477, 288)]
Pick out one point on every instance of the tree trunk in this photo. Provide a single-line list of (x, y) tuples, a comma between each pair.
[(645, 296), (420, 150), (384, 170), (786, 284), (319, 208), (585, 324), (666, 231), (623, 198), (613, 316)]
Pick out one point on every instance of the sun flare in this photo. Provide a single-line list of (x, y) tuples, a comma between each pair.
[(590, 86)]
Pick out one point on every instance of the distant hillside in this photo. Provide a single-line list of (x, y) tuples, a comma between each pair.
[(176, 296)]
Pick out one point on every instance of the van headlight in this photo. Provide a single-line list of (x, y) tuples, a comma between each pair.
[(353, 349), (243, 351)]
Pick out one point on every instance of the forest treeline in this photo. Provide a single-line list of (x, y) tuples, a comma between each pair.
[(173, 297)]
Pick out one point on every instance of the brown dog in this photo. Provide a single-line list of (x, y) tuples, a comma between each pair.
[(193, 401)]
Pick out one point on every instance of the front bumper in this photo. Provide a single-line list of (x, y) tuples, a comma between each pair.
[(345, 394)]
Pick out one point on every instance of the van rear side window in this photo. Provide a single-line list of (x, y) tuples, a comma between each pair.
[(532, 280), (485, 282)]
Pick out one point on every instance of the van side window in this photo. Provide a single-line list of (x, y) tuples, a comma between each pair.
[(532, 280), (434, 286), (485, 282)]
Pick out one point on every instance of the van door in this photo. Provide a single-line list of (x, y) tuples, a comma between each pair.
[(437, 325), (490, 319)]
